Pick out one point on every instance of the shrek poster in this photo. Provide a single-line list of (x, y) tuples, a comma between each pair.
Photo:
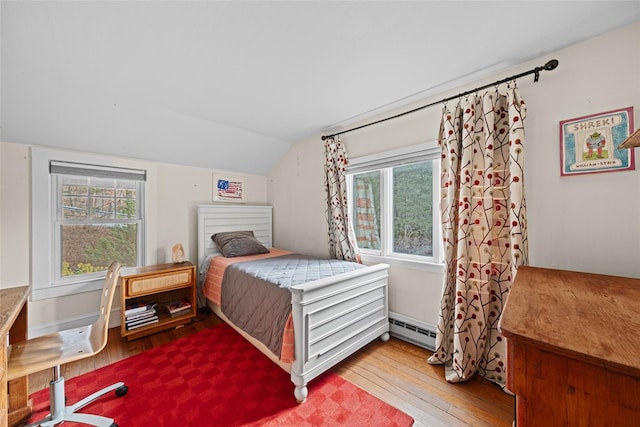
[(590, 144)]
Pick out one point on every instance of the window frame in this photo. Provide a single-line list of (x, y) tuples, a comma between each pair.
[(59, 221), (384, 163), (46, 279)]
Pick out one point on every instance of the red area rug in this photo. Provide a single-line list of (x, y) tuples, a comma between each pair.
[(216, 378)]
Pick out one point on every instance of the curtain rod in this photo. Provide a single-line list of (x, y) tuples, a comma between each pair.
[(550, 65)]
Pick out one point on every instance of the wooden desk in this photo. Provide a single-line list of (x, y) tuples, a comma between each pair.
[(14, 396), (573, 346)]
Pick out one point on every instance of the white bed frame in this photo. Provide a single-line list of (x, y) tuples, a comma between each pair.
[(332, 317)]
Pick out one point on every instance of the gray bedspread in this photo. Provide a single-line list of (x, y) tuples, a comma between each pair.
[(256, 296)]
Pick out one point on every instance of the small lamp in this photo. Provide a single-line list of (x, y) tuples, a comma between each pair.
[(177, 253)]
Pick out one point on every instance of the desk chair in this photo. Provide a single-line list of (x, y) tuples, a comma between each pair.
[(59, 348)]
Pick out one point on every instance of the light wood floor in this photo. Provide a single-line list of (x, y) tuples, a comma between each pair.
[(394, 371)]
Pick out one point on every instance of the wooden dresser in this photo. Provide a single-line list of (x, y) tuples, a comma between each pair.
[(15, 405), (573, 346)]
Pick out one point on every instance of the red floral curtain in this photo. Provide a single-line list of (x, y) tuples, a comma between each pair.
[(484, 230), (341, 244)]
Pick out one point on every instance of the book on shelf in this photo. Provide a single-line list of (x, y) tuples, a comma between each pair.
[(142, 315), (181, 312), (139, 307), (143, 322), (178, 307)]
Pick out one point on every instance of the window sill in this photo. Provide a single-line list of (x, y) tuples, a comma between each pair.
[(66, 289), (431, 267), (73, 287)]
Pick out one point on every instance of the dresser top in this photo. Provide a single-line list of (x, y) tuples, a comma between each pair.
[(589, 317), (11, 301)]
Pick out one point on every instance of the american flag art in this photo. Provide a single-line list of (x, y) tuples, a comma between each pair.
[(229, 189)]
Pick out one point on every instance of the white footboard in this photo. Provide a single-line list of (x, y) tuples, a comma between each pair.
[(334, 317)]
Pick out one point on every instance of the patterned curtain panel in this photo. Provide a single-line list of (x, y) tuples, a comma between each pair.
[(340, 236), (484, 230), (366, 222)]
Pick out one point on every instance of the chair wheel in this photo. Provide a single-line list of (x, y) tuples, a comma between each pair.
[(121, 391)]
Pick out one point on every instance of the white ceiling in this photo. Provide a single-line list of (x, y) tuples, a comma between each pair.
[(232, 84)]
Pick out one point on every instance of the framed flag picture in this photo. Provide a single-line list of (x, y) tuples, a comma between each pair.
[(228, 188), (591, 144)]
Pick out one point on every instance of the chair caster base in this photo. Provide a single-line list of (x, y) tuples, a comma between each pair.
[(121, 391)]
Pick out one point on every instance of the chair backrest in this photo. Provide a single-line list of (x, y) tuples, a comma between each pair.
[(100, 328)]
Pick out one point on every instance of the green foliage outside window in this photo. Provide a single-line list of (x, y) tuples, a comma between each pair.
[(89, 244), (413, 209), (119, 244), (411, 198)]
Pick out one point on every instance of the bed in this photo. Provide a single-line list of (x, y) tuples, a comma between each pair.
[(332, 317)]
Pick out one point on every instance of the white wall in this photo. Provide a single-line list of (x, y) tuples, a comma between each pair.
[(587, 223), (173, 193)]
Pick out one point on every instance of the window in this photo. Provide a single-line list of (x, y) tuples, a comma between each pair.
[(98, 218), (393, 198), (87, 211)]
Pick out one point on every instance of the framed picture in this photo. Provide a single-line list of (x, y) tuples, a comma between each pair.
[(228, 188), (591, 144)]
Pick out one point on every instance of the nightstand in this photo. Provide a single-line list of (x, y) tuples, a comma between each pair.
[(161, 285)]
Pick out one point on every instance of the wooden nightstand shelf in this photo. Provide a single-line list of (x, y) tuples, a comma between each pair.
[(160, 284)]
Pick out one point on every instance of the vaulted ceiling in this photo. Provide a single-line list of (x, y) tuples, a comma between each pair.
[(232, 84)]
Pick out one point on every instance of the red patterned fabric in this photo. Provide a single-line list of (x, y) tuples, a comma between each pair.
[(341, 238), (216, 378), (484, 230), (366, 222)]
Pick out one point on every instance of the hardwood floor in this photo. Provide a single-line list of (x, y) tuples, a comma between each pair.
[(395, 371)]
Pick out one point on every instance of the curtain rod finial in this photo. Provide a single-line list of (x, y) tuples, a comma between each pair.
[(551, 65)]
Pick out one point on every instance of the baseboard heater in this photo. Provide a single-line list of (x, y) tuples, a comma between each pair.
[(413, 331)]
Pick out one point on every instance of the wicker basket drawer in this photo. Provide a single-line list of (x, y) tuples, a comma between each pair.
[(160, 282)]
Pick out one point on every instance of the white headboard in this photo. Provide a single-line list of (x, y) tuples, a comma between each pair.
[(214, 219)]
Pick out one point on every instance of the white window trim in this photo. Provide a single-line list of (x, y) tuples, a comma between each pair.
[(42, 214), (58, 221), (415, 153)]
